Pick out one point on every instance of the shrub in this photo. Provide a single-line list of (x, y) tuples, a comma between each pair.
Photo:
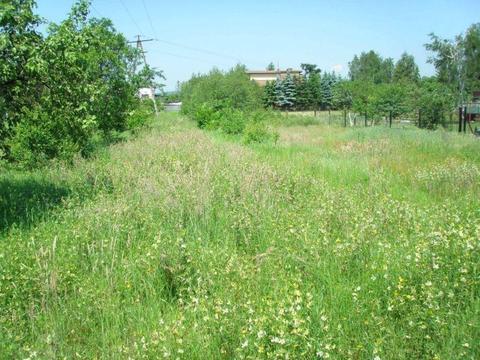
[(140, 116), (219, 90), (232, 121), (258, 132)]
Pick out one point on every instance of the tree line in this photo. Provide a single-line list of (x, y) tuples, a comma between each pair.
[(61, 91), (378, 87)]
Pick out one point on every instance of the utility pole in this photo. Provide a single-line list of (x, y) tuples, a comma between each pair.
[(139, 43)]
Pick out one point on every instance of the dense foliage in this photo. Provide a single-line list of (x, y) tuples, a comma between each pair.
[(219, 90), (379, 89), (229, 102), (311, 91), (61, 90)]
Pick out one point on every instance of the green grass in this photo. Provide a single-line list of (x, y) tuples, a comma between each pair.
[(331, 243)]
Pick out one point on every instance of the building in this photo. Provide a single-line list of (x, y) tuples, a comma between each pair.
[(262, 76), (146, 93)]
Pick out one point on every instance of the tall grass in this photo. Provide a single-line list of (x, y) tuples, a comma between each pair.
[(331, 243)]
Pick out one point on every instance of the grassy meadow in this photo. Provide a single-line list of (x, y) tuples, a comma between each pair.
[(331, 242)]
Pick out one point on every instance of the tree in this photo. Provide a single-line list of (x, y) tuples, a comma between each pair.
[(309, 69), (406, 70), (271, 66), (435, 101), (315, 90), (342, 95), (327, 85), (472, 57), (303, 98), (286, 89), (363, 95), (19, 63), (371, 67), (59, 90), (269, 95), (449, 61), (390, 100)]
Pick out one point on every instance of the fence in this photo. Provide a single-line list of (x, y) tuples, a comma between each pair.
[(446, 120)]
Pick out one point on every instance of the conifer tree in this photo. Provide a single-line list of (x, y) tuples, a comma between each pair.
[(269, 95), (287, 101), (327, 85)]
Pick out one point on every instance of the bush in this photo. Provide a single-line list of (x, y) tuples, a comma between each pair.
[(259, 132), (232, 121), (140, 116), (220, 91)]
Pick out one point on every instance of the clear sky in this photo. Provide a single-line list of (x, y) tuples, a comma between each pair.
[(193, 36)]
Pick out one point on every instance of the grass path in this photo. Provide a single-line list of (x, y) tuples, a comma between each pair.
[(334, 243)]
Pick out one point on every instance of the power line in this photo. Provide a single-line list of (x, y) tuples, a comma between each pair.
[(96, 10), (131, 17), (184, 57), (149, 18), (199, 50)]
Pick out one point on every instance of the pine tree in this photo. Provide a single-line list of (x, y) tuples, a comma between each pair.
[(269, 95), (288, 91), (303, 98), (279, 93), (327, 85), (315, 91)]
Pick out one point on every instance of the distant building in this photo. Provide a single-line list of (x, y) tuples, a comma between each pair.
[(146, 93), (262, 76)]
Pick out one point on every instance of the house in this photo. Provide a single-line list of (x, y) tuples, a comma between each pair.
[(262, 76)]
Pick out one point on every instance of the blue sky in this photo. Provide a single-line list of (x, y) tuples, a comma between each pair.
[(194, 36)]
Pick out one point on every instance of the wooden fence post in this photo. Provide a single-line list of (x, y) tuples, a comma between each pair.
[(460, 119)]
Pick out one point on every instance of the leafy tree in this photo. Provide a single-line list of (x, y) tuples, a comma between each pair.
[(342, 95), (371, 67), (472, 57), (390, 99), (406, 70), (435, 100), (449, 61), (19, 62), (309, 69), (363, 96), (61, 89)]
